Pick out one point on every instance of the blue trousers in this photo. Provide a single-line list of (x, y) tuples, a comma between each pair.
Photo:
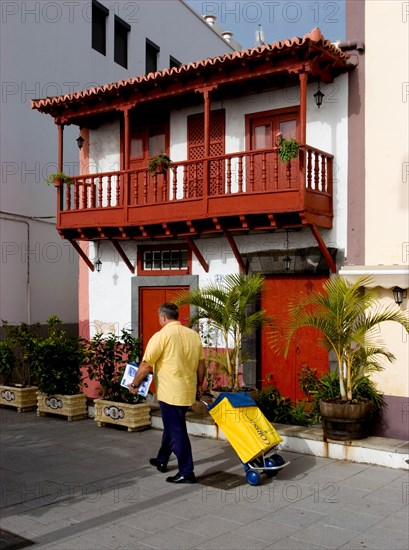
[(175, 438)]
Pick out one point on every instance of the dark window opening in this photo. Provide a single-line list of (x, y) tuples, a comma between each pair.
[(121, 42), (99, 27), (173, 62), (151, 57)]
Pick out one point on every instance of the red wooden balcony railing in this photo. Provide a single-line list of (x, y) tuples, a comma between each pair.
[(233, 184)]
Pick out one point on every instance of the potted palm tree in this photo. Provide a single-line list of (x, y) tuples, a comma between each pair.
[(348, 318), (226, 306)]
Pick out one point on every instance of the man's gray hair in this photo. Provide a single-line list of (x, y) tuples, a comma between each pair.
[(169, 310)]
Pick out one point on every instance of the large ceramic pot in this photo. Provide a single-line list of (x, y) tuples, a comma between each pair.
[(74, 407), (23, 399), (345, 421), (133, 416)]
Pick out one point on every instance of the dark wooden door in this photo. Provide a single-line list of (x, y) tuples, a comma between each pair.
[(195, 138), (266, 172), (145, 143), (305, 348)]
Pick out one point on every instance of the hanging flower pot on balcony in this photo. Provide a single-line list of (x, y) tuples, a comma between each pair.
[(58, 179), (287, 148), (159, 164)]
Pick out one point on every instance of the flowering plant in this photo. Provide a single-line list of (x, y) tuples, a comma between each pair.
[(287, 148)]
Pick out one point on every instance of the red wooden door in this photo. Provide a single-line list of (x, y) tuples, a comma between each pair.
[(263, 135), (150, 298), (146, 143), (305, 348)]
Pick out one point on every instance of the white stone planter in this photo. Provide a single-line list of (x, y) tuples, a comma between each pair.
[(74, 407), (134, 417), (23, 399)]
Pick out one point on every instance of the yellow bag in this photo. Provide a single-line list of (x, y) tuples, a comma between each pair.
[(245, 426)]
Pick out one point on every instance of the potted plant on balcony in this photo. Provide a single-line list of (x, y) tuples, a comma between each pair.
[(17, 382), (105, 361), (56, 362), (288, 148), (159, 164), (227, 307), (58, 179), (348, 319)]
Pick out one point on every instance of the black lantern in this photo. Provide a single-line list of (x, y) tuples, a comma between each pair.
[(98, 265), (287, 260), (287, 263), (80, 141), (319, 96), (399, 294)]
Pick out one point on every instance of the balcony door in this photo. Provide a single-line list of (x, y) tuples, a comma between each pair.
[(145, 143), (262, 130), (195, 151)]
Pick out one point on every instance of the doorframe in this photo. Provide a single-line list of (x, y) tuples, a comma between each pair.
[(249, 117), (192, 281)]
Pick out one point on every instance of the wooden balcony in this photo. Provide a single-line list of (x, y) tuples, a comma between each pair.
[(246, 191)]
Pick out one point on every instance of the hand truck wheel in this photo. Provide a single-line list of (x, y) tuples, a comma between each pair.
[(252, 477)]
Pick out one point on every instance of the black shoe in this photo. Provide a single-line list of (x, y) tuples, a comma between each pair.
[(178, 478), (155, 462)]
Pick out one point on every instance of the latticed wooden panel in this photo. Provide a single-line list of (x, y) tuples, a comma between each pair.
[(196, 150)]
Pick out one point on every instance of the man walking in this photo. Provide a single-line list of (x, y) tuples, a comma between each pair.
[(176, 355)]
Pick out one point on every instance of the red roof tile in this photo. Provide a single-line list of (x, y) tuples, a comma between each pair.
[(314, 37)]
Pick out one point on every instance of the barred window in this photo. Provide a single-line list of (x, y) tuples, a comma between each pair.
[(165, 260)]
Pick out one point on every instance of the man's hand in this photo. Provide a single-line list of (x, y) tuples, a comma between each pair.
[(140, 376)]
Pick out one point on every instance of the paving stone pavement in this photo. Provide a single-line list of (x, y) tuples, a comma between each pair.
[(72, 485)]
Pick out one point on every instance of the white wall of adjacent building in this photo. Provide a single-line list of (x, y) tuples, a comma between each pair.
[(46, 51)]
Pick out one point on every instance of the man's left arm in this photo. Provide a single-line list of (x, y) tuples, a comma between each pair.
[(201, 371), (143, 371)]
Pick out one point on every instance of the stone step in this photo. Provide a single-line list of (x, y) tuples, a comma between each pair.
[(382, 451)]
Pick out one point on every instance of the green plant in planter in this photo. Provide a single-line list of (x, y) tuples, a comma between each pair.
[(59, 178), (105, 361), (288, 148), (279, 409), (57, 361), (16, 353), (159, 164), (7, 362)]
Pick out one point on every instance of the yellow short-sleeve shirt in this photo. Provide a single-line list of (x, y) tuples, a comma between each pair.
[(174, 353)]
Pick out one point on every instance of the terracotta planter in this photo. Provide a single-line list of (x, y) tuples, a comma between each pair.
[(134, 417), (345, 421), (23, 399), (74, 407)]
